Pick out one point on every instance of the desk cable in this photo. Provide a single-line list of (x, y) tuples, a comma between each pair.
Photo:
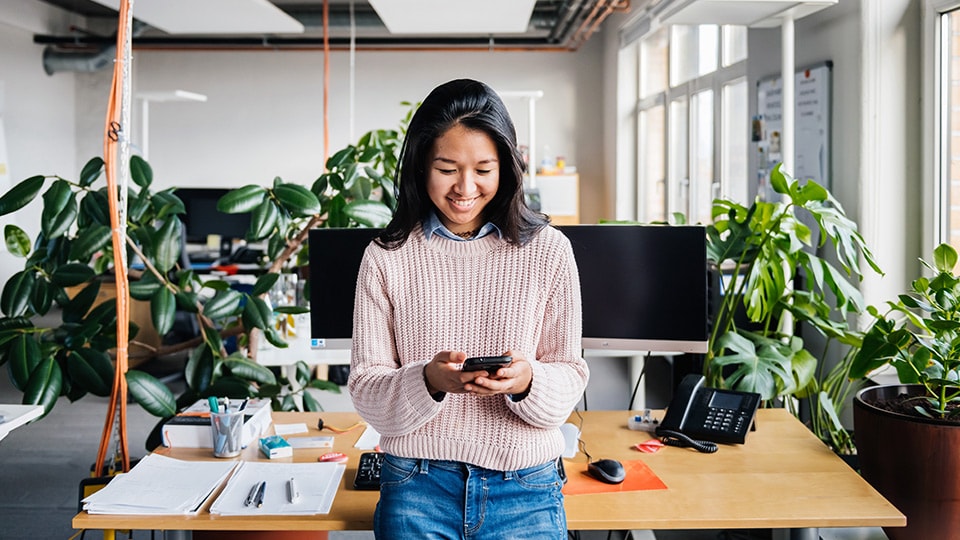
[(681, 440)]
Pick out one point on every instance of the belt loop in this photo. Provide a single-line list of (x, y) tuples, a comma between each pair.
[(424, 466)]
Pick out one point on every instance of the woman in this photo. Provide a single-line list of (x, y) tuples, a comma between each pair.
[(465, 268)]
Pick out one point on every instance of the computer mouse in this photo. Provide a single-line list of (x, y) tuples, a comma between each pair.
[(607, 470)]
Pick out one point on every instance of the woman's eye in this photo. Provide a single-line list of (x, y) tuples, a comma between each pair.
[(446, 171), (484, 171)]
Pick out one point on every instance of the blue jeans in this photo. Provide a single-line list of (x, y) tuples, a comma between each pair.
[(421, 498)]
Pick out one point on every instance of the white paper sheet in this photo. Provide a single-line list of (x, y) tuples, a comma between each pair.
[(160, 485), (317, 483)]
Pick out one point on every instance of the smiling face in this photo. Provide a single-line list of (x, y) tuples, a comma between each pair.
[(463, 176)]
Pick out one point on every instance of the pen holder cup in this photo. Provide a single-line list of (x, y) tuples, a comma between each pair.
[(227, 429)]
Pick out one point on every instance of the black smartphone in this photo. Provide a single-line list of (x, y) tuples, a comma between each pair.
[(489, 363)]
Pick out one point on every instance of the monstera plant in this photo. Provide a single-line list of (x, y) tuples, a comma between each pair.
[(775, 281)]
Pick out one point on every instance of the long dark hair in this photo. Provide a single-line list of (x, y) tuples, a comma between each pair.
[(475, 106)]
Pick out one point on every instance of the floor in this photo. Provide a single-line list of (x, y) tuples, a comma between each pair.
[(43, 463)]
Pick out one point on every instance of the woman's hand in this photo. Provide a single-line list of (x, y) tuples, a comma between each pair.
[(443, 374), (513, 379)]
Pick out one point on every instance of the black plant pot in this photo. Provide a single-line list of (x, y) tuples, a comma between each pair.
[(913, 462)]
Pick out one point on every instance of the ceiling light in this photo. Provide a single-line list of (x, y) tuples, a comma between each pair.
[(454, 16), (212, 16)]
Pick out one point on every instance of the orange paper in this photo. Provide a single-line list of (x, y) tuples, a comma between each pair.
[(639, 477)]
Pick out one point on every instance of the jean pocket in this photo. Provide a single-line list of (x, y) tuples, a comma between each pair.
[(539, 476), (397, 470)]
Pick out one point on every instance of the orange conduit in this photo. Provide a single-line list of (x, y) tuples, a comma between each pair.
[(326, 82), (112, 134)]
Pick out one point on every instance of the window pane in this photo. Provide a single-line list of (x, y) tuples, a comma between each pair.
[(952, 143), (701, 181), (734, 44), (679, 187), (693, 52), (653, 63), (733, 142), (652, 192), (708, 47)]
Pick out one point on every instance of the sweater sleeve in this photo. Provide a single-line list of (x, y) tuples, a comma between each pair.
[(560, 373), (390, 397)]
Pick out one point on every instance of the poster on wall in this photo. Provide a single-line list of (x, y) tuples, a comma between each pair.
[(812, 127)]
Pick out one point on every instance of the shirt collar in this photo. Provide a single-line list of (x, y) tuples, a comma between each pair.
[(432, 225)]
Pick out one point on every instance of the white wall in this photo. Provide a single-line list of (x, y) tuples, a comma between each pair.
[(264, 113), (38, 111)]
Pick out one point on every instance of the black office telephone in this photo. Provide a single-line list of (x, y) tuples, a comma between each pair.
[(698, 417)]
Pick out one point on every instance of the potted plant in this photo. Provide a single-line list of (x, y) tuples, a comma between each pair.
[(775, 281), (49, 357), (908, 434)]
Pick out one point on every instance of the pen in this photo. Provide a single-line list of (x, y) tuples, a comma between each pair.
[(214, 407), (252, 494), (292, 490), (259, 498), (244, 404)]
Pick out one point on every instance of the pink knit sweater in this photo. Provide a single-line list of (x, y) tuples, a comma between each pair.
[(481, 297)]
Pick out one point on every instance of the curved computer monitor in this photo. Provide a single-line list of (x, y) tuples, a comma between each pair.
[(644, 287), (335, 256)]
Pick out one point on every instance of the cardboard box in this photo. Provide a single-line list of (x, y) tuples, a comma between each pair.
[(191, 428), (275, 446)]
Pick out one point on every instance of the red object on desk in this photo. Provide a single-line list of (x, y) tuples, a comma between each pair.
[(639, 477), (228, 269)]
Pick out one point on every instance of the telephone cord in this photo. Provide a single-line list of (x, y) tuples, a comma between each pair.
[(675, 438)]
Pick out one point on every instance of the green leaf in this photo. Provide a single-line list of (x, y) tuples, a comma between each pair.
[(168, 245), (324, 385), (297, 200), (59, 209), (90, 240), (21, 194), (223, 304), (264, 283), (145, 287), (369, 213), (140, 171), (17, 241), (92, 370), (310, 403), (199, 369), (45, 385), (17, 292), (293, 310), (163, 310), (945, 258), (249, 370), (263, 221), (79, 305), (779, 181), (23, 356), (251, 317), (91, 171), (151, 394), (241, 200), (72, 274), (42, 297)]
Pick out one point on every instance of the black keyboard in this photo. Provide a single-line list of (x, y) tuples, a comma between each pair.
[(368, 471)]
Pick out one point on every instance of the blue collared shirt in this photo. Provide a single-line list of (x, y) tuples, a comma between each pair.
[(432, 225)]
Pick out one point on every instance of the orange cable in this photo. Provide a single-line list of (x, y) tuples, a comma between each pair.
[(326, 82), (111, 137)]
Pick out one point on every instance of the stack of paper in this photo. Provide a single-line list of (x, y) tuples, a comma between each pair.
[(317, 485), (160, 485)]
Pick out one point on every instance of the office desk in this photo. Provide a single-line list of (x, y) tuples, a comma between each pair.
[(782, 478)]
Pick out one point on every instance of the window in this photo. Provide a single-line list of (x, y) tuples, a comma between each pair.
[(950, 131), (691, 121)]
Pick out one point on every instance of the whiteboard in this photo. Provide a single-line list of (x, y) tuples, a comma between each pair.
[(812, 125)]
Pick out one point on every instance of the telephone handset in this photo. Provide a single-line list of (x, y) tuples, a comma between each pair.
[(699, 416)]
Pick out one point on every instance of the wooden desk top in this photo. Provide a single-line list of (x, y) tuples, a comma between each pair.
[(783, 477)]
